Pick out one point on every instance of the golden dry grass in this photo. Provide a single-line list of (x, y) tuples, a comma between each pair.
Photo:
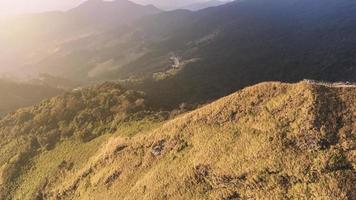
[(269, 141)]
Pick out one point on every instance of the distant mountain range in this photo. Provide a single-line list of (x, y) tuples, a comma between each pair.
[(174, 4), (197, 56), (202, 5), (27, 39)]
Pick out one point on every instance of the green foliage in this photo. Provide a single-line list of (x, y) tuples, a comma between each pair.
[(81, 115), (65, 158)]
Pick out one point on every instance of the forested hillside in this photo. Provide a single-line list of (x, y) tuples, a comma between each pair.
[(76, 119)]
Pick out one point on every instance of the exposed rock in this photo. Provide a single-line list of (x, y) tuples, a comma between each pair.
[(158, 148)]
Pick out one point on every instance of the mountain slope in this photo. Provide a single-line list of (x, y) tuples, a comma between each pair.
[(110, 13), (244, 43), (252, 144), (219, 50), (76, 123), (27, 39), (90, 16), (16, 95), (279, 140)]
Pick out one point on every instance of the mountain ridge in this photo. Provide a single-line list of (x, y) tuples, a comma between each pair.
[(204, 5), (249, 144), (198, 155)]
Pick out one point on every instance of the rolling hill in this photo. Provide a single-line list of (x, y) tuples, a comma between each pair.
[(249, 145)]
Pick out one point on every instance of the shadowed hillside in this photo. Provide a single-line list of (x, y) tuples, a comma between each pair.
[(16, 95), (183, 56), (284, 141)]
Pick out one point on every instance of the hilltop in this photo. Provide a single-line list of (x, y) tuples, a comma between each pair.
[(284, 141)]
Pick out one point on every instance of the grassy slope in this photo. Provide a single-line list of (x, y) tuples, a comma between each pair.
[(69, 154), (270, 141), (41, 142)]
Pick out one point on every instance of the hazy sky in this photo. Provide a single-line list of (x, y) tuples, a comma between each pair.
[(25, 6)]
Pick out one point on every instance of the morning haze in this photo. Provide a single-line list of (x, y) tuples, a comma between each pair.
[(248, 99), (11, 7)]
